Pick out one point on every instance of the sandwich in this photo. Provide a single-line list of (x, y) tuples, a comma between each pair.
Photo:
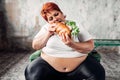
[(61, 27)]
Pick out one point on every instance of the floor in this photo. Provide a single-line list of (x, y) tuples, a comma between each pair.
[(12, 65)]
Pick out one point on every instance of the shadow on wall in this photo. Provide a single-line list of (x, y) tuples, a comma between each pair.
[(3, 27), (7, 41)]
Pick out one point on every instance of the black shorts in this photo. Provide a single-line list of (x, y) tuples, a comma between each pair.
[(89, 69)]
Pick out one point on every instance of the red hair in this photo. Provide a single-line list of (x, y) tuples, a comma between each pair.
[(49, 6)]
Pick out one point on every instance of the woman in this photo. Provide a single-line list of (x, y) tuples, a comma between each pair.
[(64, 56)]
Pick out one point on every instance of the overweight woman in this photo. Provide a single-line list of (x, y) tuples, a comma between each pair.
[(65, 49)]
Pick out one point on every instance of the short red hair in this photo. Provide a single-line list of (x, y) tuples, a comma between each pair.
[(49, 6)]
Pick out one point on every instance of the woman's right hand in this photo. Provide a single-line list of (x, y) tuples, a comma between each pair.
[(51, 29)]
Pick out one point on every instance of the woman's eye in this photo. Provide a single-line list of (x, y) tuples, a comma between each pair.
[(56, 14), (50, 18)]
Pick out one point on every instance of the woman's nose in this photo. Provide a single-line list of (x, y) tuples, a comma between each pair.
[(55, 19)]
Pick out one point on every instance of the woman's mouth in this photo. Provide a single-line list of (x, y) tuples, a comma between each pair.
[(59, 20)]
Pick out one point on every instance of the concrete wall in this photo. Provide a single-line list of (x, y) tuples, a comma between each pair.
[(99, 17)]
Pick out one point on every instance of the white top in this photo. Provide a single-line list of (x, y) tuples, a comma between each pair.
[(55, 47)]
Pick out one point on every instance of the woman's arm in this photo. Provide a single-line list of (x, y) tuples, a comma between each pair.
[(40, 41), (82, 47)]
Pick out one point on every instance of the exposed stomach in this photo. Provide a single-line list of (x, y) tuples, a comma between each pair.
[(63, 64)]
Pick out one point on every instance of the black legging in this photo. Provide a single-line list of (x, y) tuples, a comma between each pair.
[(90, 69)]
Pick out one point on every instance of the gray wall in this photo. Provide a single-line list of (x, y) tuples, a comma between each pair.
[(99, 17)]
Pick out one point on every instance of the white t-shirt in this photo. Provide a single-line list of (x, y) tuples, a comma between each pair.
[(55, 47)]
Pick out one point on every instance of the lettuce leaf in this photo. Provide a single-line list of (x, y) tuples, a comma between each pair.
[(74, 27)]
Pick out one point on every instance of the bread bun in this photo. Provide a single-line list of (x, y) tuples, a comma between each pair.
[(63, 27)]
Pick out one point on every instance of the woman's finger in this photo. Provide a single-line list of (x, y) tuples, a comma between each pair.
[(67, 37)]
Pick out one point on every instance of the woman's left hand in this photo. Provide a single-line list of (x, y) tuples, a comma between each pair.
[(82, 47), (66, 38)]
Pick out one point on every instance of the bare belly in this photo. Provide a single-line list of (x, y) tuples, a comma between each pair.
[(63, 64)]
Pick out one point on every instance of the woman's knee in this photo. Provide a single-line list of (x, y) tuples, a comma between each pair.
[(90, 74), (35, 71), (101, 75), (92, 70), (98, 70)]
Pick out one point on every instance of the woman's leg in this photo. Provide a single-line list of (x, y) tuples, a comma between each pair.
[(40, 70), (90, 69), (95, 68)]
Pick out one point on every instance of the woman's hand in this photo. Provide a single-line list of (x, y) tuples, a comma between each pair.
[(51, 29), (82, 47), (66, 38)]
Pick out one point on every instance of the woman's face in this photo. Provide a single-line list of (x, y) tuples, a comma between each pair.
[(55, 16)]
